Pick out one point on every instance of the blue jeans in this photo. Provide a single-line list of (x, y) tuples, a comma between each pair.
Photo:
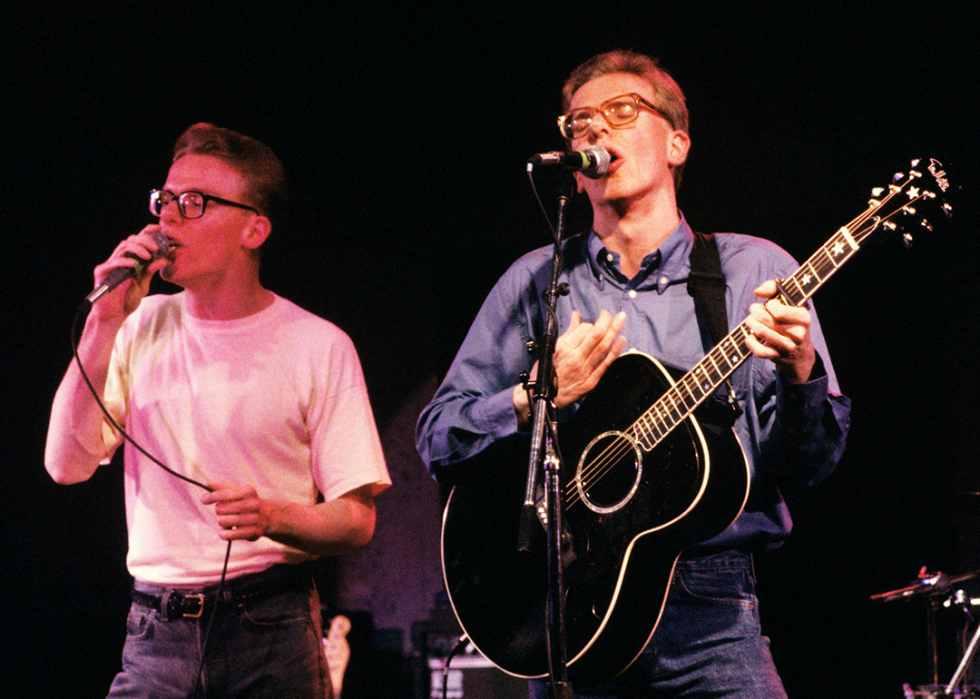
[(708, 643), (266, 646)]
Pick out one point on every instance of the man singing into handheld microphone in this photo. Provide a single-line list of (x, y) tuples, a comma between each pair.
[(259, 412), (629, 286)]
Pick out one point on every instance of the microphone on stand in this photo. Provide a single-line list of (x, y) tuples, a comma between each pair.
[(121, 274), (593, 161)]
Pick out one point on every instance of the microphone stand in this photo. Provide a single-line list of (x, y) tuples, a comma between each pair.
[(544, 455)]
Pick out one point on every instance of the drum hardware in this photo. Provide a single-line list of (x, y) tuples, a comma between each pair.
[(938, 587)]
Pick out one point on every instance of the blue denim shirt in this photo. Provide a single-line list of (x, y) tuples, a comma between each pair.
[(793, 435)]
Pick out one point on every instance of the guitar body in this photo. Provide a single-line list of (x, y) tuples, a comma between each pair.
[(337, 650), (625, 528)]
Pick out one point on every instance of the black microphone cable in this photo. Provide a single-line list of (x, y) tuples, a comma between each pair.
[(75, 336)]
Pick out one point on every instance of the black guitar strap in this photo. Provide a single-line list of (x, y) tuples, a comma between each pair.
[(707, 285)]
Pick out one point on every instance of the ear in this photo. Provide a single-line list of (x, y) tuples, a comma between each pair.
[(257, 233), (678, 148), (579, 182)]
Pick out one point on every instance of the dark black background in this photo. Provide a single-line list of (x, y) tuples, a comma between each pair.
[(405, 128)]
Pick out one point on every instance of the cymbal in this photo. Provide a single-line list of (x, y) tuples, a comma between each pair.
[(926, 584)]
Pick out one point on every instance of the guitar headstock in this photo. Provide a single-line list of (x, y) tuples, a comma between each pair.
[(903, 205)]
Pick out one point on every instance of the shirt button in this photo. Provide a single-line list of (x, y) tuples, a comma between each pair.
[(664, 280), (632, 293)]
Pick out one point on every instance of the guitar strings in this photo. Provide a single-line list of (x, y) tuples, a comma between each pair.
[(663, 414), (604, 463)]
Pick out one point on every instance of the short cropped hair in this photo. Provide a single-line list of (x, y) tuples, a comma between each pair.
[(667, 94), (263, 172)]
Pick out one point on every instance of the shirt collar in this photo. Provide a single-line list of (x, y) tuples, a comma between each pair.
[(670, 262)]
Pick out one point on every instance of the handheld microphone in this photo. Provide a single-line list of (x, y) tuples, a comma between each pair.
[(593, 161), (121, 274)]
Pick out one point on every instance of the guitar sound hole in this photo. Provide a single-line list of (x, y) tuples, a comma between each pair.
[(609, 472)]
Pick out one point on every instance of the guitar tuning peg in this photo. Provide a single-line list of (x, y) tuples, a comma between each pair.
[(898, 176), (947, 210), (907, 240), (916, 162), (877, 191)]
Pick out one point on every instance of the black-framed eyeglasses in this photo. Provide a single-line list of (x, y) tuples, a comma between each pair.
[(190, 204), (618, 111)]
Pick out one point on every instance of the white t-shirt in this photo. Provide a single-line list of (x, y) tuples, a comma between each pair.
[(276, 400)]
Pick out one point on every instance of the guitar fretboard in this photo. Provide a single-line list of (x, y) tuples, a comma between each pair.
[(681, 399)]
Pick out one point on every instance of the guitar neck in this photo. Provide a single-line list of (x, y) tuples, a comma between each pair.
[(701, 382), (706, 377)]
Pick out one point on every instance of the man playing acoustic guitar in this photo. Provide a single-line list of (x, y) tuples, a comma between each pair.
[(628, 287)]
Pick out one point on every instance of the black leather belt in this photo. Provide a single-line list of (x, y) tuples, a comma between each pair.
[(175, 603)]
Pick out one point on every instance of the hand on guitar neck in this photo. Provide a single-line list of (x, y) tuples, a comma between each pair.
[(781, 333)]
